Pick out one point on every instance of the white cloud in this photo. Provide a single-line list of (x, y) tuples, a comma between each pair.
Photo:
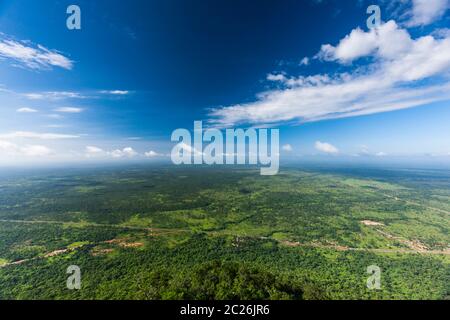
[(326, 147), (26, 110), (32, 56), (92, 151), (116, 92), (364, 150), (34, 96), (127, 152), (304, 61), (55, 116), (381, 154), (287, 148), (276, 77), (36, 135), (388, 42), (36, 151), (425, 12), (12, 149), (53, 95), (68, 110), (152, 154), (7, 147), (357, 44), (55, 126), (392, 81), (96, 152)]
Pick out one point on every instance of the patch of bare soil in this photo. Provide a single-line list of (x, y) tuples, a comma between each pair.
[(125, 243), (371, 223), (56, 253), (315, 245), (413, 247), (412, 244), (15, 263), (131, 244)]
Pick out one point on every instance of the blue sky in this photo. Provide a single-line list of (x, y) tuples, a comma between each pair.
[(137, 70)]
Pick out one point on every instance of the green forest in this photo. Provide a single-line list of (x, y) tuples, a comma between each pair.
[(164, 233)]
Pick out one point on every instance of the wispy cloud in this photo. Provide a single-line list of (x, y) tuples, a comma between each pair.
[(32, 56), (60, 95), (55, 116), (36, 135), (425, 12), (116, 92), (68, 110), (53, 95), (55, 126), (26, 110), (394, 79)]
